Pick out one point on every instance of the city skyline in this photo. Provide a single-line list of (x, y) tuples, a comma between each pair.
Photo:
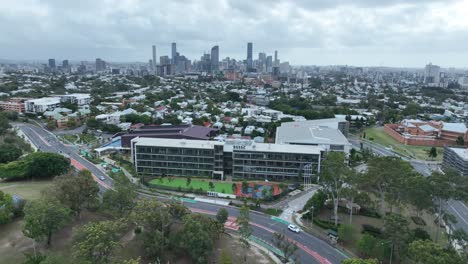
[(363, 33)]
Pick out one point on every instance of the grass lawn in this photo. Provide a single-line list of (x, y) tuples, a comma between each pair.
[(221, 187), (28, 190), (71, 138), (382, 138)]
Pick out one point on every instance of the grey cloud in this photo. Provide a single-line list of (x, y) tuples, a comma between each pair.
[(304, 31)]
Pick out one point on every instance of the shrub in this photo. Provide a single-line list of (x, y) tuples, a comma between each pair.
[(418, 220), (345, 232), (326, 224), (421, 234), (369, 212), (372, 230)]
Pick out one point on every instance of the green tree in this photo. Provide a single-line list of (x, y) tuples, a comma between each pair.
[(417, 193), (286, 246), (222, 215), (45, 164), (445, 187), (4, 124), (359, 261), (332, 178), (372, 247), (460, 141), (76, 191), (428, 252), (244, 228), (96, 241), (121, 200), (396, 230), (6, 208), (197, 236), (43, 217), (317, 201), (432, 153), (211, 185), (9, 152), (189, 180), (245, 186), (386, 176), (234, 187), (346, 232)]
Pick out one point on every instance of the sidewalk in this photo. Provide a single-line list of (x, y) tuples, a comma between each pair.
[(296, 203)]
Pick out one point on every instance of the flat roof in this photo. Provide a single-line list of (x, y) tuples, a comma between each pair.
[(454, 127), (327, 122), (45, 100), (176, 143), (283, 148), (462, 153), (312, 135)]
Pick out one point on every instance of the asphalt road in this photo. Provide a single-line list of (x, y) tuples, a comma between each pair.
[(311, 249), (457, 208)]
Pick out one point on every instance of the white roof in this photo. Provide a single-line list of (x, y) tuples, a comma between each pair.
[(45, 101), (454, 127), (462, 153), (176, 143)]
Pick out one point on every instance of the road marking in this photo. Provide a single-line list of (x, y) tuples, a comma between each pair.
[(279, 220), (463, 219), (80, 167), (40, 137)]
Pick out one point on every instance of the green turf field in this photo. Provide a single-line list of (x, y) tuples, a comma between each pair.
[(221, 187), (418, 152)]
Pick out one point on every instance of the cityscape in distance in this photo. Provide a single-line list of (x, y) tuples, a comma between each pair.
[(234, 131)]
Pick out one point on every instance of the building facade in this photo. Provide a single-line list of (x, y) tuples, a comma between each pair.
[(457, 159), (42, 104), (241, 159)]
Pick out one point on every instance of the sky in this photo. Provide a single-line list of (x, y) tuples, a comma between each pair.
[(398, 33)]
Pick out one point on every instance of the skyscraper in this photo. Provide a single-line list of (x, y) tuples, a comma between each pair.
[(174, 53), (249, 56), (432, 74), (100, 65), (154, 58), (52, 63), (276, 62), (215, 59)]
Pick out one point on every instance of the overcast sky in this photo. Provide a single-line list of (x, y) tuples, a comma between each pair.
[(305, 32)]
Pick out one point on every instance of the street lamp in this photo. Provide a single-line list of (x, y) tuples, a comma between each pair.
[(391, 249), (312, 213)]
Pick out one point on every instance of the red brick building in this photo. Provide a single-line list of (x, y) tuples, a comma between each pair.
[(423, 133), (14, 104)]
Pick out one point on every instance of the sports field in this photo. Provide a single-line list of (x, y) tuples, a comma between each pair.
[(221, 187)]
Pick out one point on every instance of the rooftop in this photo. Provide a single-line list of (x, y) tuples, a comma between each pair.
[(310, 135), (454, 127), (176, 143), (462, 153)]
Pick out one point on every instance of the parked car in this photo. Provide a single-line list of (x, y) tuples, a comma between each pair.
[(102, 178)]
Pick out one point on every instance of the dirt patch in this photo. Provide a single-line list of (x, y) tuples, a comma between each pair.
[(227, 243)]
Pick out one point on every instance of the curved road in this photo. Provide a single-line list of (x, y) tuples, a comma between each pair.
[(311, 249)]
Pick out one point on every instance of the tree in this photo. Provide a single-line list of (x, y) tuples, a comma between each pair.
[(387, 176), (6, 208), (346, 232), (9, 152), (121, 200), (222, 215), (43, 217), (417, 193), (245, 186), (428, 252), (359, 261), (189, 180), (317, 201), (432, 153), (286, 246), (244, 227), (460, 141), (332, 178), (444, 187), (76, 191), (197, 236), (95, 242), (234, 188), (396, 231), (211, 185), (4, 124), (370, 246), (51, 124), (45, 164), (177, 210)]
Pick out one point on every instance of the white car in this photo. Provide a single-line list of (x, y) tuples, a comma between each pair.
[(294, 228), (102, 178)]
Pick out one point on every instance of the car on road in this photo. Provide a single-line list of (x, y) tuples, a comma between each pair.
[(294, 228), (102, 178)]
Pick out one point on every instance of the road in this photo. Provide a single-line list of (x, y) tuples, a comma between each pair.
[(456, 208), (311, 249)]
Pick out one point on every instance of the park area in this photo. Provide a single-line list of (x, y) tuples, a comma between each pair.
[(194, 184), (378, 135), (27, 189)]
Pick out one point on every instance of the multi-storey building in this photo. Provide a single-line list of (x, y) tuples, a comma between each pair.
[(76, 98), (457, 159), (14, 104), (243, 159), (42, 104)]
